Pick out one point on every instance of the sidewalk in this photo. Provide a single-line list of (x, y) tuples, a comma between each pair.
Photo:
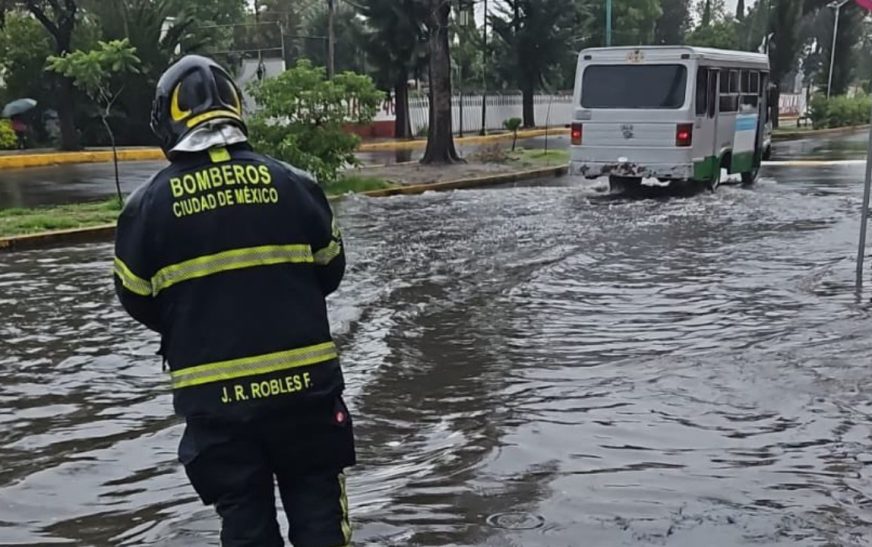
[(18, 159)]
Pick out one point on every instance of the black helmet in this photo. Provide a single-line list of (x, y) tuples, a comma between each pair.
[(193, 91)]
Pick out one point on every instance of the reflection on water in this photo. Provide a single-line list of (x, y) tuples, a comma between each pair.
[(688, 371)]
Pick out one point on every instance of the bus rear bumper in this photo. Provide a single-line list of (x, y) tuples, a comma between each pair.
[(591, 169)]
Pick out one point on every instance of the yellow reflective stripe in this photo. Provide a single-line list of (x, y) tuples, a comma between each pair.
[(343, 503), (253, 366), (130, 280), (235, 259), (327, 254)]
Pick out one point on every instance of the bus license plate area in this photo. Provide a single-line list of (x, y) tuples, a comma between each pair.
[(631, 169)]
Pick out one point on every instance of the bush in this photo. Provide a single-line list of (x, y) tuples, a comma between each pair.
[(8, 139), (302, 115), (840, 111), (513, 124)]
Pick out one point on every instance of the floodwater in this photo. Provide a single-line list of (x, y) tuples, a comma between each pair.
[(679, 371)]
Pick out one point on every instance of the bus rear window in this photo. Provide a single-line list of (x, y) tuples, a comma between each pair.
[(634, 86)]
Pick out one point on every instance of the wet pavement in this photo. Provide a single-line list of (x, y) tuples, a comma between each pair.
[(676, 371), (840, 147)]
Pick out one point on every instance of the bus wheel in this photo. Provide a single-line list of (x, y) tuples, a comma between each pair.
[(620, 185), (750, 177)]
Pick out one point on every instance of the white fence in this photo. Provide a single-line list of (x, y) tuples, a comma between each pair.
[(792, 105), (550, 110)]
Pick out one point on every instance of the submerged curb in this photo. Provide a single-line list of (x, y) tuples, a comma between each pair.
[(798, 135), (477, 182), (422, 143), (107, 231)]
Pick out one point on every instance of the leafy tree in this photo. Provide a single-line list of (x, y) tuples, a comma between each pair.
[(59, 19), (24, 47), (349, 31), (672, 24), (157, 31), (848, 41), (93, 71), (440, 141), (396, 45), (634, 22), (303, 114), (785, 17), (740, 10), (721, 34), (535, 33)]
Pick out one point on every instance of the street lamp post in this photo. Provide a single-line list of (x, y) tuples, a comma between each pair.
[(609, 22), (836, 5), (484, 73), (331, 40)]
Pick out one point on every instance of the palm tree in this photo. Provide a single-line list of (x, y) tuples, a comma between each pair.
[(396, 44), (535, 34)]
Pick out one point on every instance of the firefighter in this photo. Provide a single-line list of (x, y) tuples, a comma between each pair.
[(229, 255)]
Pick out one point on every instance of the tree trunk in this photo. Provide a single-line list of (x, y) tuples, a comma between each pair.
[(403, 123), (114, 157), (529, 111), (774, 109), (440, 141), (331, 40), (66, 114), (61, 29)]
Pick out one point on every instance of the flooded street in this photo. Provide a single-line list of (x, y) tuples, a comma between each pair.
[(680, 371)]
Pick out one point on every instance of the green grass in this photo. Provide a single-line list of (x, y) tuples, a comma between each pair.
[(538, 157), (355, 183), (15, 222)]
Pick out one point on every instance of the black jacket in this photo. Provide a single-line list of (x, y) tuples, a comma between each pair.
[(229, 255)]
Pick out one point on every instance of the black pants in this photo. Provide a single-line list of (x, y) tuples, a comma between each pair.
[(236, 468)]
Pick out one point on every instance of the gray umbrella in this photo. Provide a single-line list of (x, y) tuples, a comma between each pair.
[(17, 107)]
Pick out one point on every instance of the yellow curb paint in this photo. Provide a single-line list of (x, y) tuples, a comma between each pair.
[(43, 239), (422, 143), (22, 161)]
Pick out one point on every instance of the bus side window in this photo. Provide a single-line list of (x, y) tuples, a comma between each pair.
[(750, 90), (712, 93), (702, 92)]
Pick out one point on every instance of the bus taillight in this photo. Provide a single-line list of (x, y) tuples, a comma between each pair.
[(577, 132), (684, 135)]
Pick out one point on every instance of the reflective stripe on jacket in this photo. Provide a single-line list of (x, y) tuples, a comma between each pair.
[(230, 255)]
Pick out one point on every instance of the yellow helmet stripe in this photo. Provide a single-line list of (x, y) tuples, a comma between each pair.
[(197, 120), (176, 111)]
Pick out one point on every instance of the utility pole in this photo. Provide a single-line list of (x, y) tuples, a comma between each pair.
[(836, 5), (331, 39), (609, 23), (484, 75)]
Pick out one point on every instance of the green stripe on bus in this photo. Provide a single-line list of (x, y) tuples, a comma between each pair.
[(742, 163)]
